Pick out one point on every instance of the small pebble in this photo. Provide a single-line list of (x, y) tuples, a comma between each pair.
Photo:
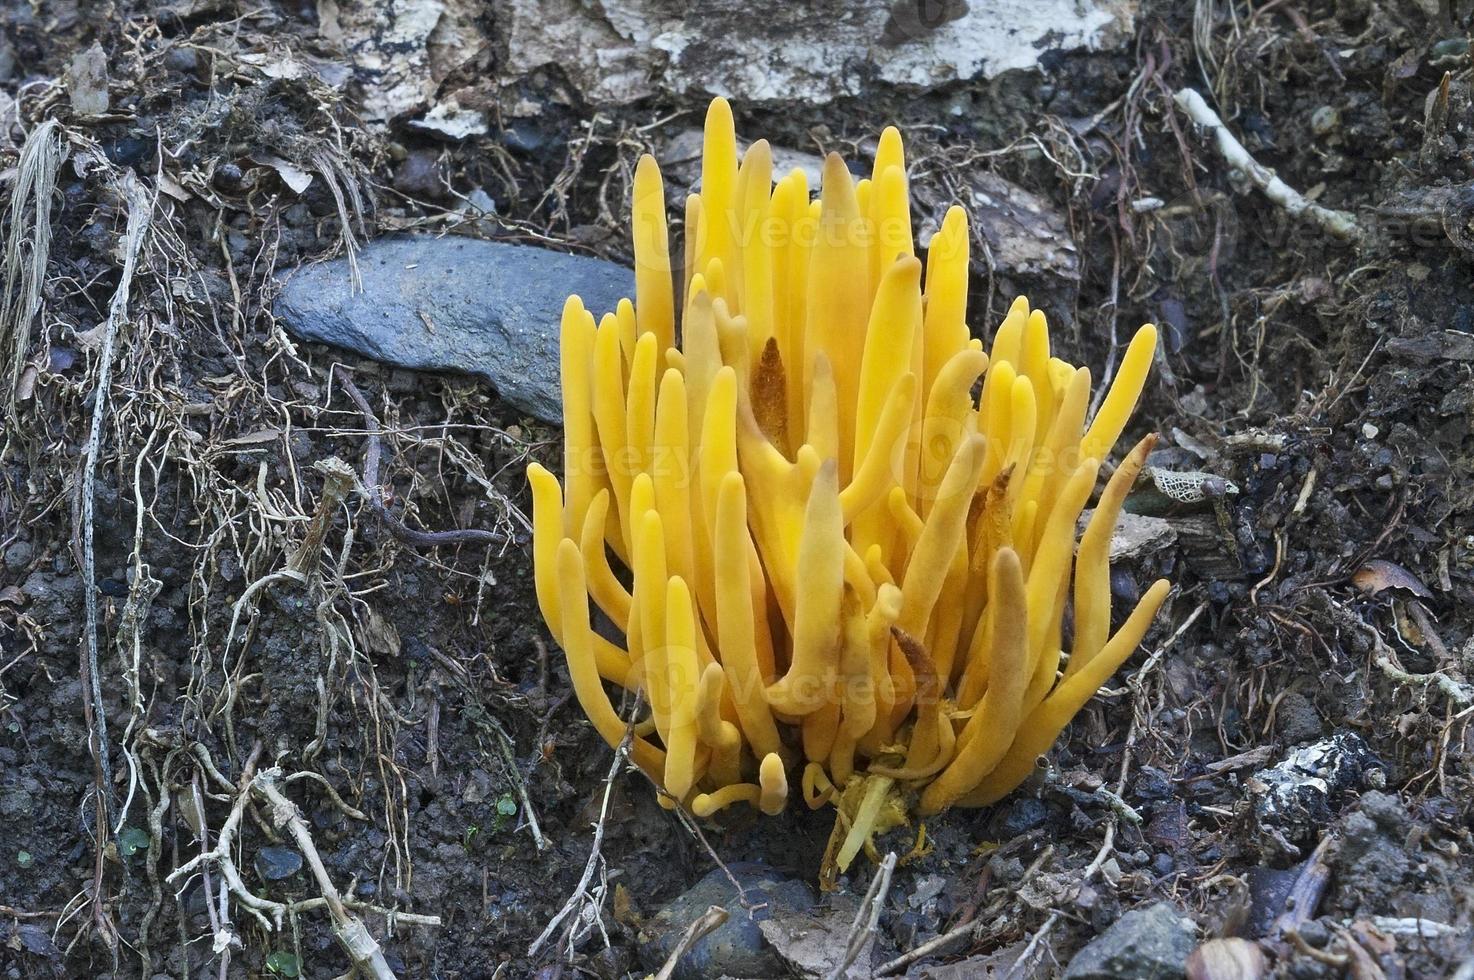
[(420, 175), (328, 818), (736, 948), (425, 303), (1153, 784), (182, 59), (18, 556), (524, 136), (1450, 51), (479, 200), (1315, 934), (1306, 968), (1149, 942), (928, 888), (906, 927), (277, 863), (1021, 816), (228, 177), (1006, 869)]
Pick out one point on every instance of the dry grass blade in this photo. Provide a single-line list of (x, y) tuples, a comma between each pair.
[(27, 249), (338, 177)]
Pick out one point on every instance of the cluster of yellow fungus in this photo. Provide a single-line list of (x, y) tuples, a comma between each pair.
[(849, 533)]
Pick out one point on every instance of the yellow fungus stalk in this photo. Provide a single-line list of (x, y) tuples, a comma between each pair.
[(842, 553)]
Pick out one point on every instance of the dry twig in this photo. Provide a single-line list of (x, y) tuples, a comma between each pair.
[(709, 922), (1337, 223), (140, 208), (396, 527), (867, 917), (349, 929), (580, 896)]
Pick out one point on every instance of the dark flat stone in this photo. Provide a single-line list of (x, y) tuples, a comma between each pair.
[(1145, 944), (277, 863), (736, 948), (455, 304)]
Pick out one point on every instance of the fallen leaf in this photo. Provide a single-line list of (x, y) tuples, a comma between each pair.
[(1253, 757), (814, 944), (380, 636), (25, 385), (87, 81), (1227, 959), (257, 438), (450, 120), (624, 908), (173, 188), (274, 67), (1378, 576), (1006, 962), (91, 339), (193, 818), (292, 175)]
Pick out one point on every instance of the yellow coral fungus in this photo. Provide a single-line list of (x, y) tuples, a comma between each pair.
[(849, 567)]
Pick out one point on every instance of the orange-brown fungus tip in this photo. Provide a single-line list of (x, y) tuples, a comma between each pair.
[(839, 562)]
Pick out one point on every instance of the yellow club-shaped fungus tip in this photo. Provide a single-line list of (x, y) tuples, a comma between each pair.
[(578, 644), (654, 301), (682, 680), (820, 585), (1042, 726), (818, 517), (774, 782), (990, 730)]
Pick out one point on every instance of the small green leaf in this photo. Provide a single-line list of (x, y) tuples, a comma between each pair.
[(284, 964), (24, 859), (132, 840), (506, 807)]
